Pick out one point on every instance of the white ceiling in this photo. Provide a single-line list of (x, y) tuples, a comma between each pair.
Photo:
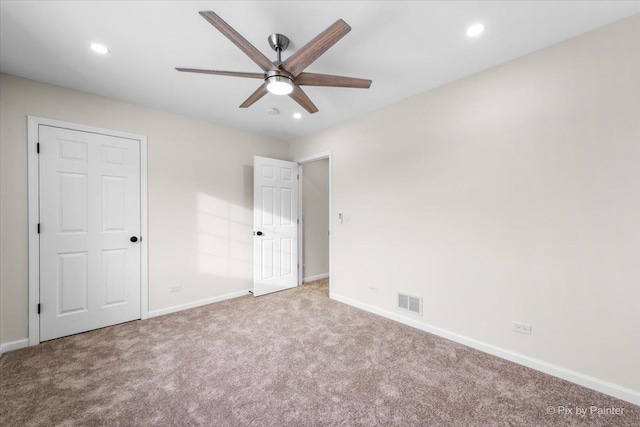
[(404, 47)]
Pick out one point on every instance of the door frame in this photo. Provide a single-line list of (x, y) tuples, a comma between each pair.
[(33, 123), (301, 161)]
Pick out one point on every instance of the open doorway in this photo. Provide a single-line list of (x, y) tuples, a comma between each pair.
[(315, 218)]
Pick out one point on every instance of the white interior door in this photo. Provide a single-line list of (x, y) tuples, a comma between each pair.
[(275, 220), (89, 216)]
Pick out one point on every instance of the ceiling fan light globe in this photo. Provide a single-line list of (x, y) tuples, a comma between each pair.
[(279, 85)]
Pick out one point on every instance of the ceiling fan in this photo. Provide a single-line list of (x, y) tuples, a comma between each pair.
[(285, 78)]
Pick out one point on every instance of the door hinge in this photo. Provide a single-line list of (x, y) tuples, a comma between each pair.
[(38, 148), (298, 177), (298, 220), (38, 308), (38, 228)]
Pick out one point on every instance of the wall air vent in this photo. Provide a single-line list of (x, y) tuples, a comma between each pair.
[(410, 303)]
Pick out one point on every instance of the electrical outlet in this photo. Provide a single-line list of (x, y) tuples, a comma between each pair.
[(175, 288), (523, 328), (373, 288)]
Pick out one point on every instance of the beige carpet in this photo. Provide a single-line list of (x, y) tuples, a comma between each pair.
[(295, 358)]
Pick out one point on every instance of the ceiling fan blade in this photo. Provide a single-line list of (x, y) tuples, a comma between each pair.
[(223, 73), (259, 93), (300, 60), (312, 79), (301, 98), (250, 50)]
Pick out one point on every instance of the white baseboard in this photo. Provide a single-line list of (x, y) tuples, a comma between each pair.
[(13, 345), (316, 277), (199, 303), (596, 384)]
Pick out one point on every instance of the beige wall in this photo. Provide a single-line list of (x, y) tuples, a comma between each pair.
[(315, 205), (513, 194), (200, 195)]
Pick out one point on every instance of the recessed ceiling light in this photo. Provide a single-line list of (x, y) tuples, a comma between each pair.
[(475, 30), (297, 116), (99, 48)]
